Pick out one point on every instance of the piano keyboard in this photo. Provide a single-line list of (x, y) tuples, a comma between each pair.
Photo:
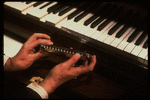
[(108, 24)]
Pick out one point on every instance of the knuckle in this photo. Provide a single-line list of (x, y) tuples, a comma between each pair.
[(72, 75), (91, 68), (39, 41), (25, 45), (63, 64), (35, 34)]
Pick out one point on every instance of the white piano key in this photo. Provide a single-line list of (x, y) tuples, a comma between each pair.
[(104, 35), (19, 5), (63, 19), (85, 29), (137, 49), (68, 26), (68, 22), (143, 53), (123, 43), (41, 12), (53, 18), (146, 57), (96, 34), (112, 37), (81, 25), (66, 14), (81, 22), (117, 41), (91, 31), (32, 9), (73, 24), (131, 45)]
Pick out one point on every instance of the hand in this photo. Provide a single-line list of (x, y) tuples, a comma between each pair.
[(25, 57), (65, 71)]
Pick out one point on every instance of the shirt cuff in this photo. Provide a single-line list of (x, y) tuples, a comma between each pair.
[(37, 88), (5, 59)]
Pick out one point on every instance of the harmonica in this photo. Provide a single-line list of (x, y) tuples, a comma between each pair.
[(64, 51)]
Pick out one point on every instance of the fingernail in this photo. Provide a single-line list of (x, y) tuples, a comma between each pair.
[(50, 43), (78, 55)]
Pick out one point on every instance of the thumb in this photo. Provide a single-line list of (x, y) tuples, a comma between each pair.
[(40, 55), (73, 60)]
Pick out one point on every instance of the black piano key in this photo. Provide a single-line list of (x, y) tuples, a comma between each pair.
[(95, 7), (145, 44), (117, 13), (86, 11), (81, 16), (131, 19), (88, 21), (38, 3), (114, 28), (27, 2), (95, 23), (103, 25), (127, 17), (59, 9), (65, 11), (45, 5), (122, 31), (74, 14), (109, 13), (140, 39), (52, 8), (80, 6), (133, 35)]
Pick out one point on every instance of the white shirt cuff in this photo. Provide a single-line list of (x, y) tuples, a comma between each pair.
[(37, 88), (5, 59)]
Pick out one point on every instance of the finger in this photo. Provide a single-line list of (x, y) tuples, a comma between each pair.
[(83, 68), (39, 35), (72, 60), (93, 61), (42, 41), (40, 55), (76, 71), (85, 63)]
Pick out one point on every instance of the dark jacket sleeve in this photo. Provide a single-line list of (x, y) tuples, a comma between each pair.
[(26, 93)]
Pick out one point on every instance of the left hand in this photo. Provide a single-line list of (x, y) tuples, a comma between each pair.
[(25, 57)]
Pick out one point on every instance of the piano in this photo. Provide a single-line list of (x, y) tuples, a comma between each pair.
[(116, 32)]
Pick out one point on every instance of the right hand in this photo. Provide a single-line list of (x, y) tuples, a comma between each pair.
[(66, 71)]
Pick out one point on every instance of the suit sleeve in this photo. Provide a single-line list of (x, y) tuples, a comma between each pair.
[(31, 91), (26, 93)]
